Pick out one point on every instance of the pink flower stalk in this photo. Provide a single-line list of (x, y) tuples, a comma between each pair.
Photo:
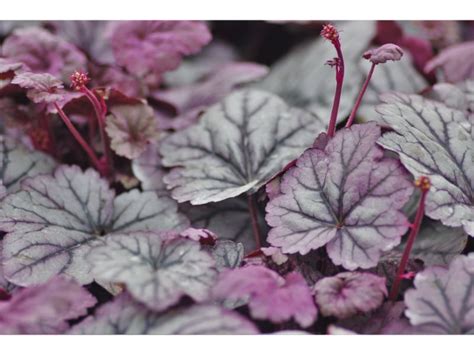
[(330, 33), (424, 184), (378, 55), (79, 80)]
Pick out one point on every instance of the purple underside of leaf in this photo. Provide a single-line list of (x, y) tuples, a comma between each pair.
[(456, 62), (443, 299), (269, 296), (124, 316), (437, 141), (155, 271), (53, 221), (237, 146), (346, 197), (349, 293), (45, 308)]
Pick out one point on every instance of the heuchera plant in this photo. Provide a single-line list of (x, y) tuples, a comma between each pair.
[(152, 182)]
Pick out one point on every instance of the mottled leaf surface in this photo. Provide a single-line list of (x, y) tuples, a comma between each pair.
[(124, 316), (237, 146), (44, 309), (398, 76), (18, 162), (155, 272), (227, 254), (436, 141), (346, 197), (349, 293), (303, 79), (443, 299), (53, 221)]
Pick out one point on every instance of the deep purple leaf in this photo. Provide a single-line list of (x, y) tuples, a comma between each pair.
[(41, 88), (346, 197)]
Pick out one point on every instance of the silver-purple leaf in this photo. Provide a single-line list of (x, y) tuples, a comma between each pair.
[(124, 316), (148, 169), (459, 96), (436, 244), (303, 79), (237, 146), (53, 221), (443, 299), (349, 293), (229, 219), (227, 254), (155, 271), (393, 76), (346, 197), (436, 141), (18, 162), (44, 309)]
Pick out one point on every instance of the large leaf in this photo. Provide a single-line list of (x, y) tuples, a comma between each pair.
[(54, 221), (156, 272), (44, 309), (443, 299), (400, 76), (436, 141), (303, 79), (346, 197), (18, 162), (237, 146), (124, 316), (229, 219), (436, 244)]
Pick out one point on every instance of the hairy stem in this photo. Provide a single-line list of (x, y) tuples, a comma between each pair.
[(79, 139), (338, 92), (254, 219), (100, 111), (415, 228), (361, 95)]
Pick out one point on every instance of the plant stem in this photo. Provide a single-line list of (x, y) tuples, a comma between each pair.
[(100, 111), (338, 92), (79, 139), (361, 95), (254, 219), (415, 228)]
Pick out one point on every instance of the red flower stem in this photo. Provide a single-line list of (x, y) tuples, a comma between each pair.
[(79, 138), (338, 92), (415, 228), (361, 95), (254, 219), (100, 111)]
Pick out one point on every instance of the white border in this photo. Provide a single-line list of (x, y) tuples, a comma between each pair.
[(236, 9)]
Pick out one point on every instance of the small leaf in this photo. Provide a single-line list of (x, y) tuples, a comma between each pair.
[(131, 128), (155, 272), (269, 296), (349, 293), (41, 88), (443, 299), (227, 254), (53, 221), (148, 169), (124, 316), (303, 80), (346, 197), (438, 142), (18, 162), (237, 146), (229, 219), (44, 309)]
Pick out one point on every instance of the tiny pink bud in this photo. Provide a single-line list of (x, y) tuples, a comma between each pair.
[(330, 32), (79, 80), (408, 276), (386, 52)]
